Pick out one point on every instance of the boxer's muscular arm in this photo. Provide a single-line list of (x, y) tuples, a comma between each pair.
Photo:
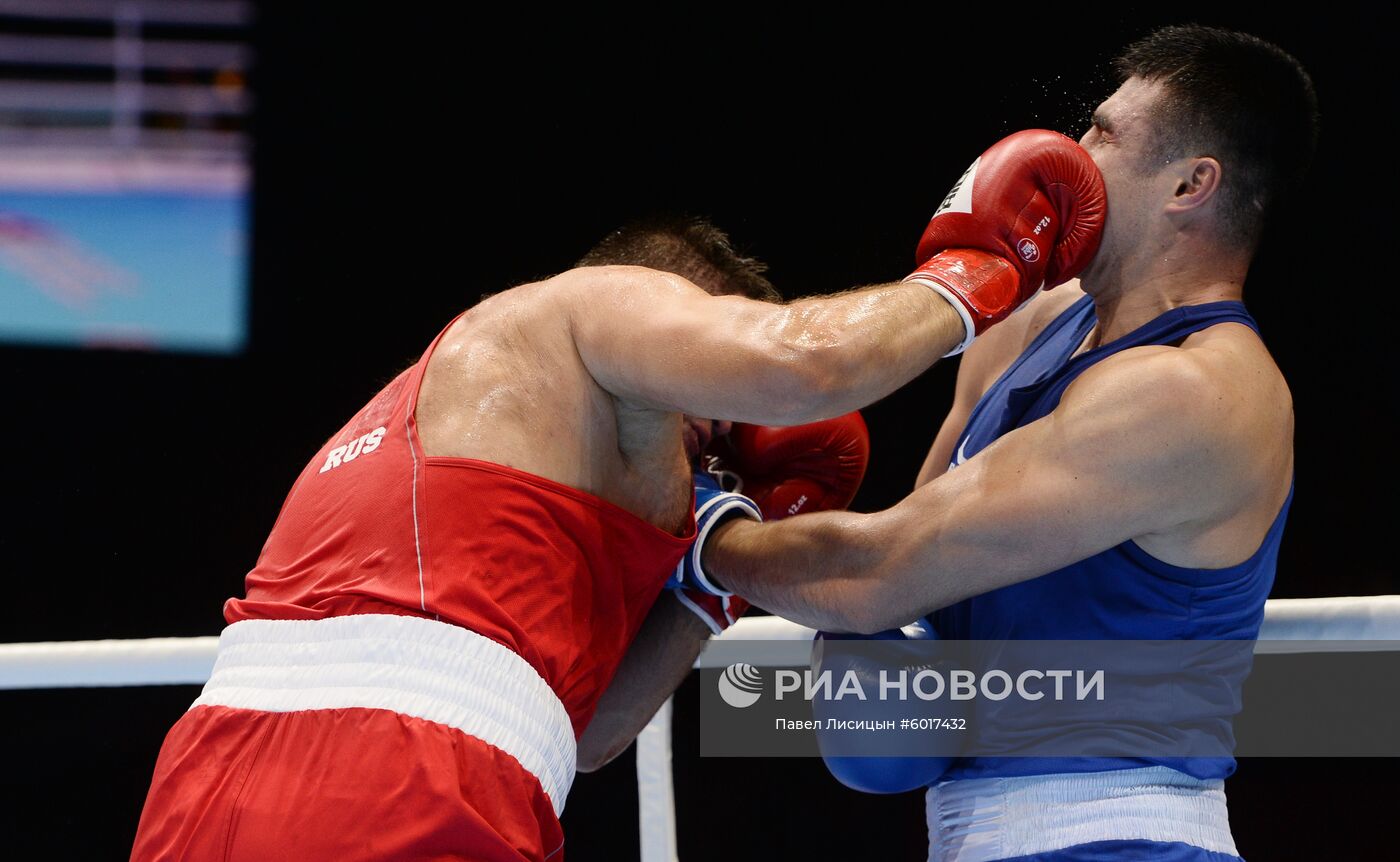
[(655, 339), (657, 662), (1141, 444)]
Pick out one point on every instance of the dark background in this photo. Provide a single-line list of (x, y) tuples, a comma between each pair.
[(407, 163)]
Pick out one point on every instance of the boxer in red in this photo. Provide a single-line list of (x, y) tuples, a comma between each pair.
[(458, 604)]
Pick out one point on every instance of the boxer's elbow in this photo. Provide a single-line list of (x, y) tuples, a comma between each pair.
[(866, 595), (871, 613), (600, 744), (815, 373), (856, 620), (887, 590), (591, 759), (815, 391)]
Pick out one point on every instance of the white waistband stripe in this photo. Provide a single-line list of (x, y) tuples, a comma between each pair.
[(416, 667), (986, 819)]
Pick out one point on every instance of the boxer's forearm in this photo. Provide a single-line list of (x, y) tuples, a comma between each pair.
[(819, 570), (866, 343), (657, 661)]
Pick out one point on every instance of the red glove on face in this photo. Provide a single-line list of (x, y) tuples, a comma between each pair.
[(1029, 211), (786, 471)]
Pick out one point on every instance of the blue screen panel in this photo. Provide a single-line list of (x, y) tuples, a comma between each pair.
[(150, 269)]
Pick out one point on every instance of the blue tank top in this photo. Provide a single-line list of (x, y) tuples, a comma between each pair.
[(1122, 593)]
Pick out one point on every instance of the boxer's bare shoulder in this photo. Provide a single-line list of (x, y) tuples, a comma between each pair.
[(506, 384), (1219, 400)]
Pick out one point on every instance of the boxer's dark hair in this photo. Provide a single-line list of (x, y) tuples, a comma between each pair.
[(1245, 102), (689, 246)]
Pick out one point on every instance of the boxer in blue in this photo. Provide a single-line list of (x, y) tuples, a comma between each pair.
[(1117, 463)]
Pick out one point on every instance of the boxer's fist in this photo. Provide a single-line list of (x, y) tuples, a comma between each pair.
[(713, 506), (1028, 212), (873, 764), (815, 467), (1035, 199), (783, 471)]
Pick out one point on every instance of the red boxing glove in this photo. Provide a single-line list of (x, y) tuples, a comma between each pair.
[(1029, 212), (802, 468), (786, 471)]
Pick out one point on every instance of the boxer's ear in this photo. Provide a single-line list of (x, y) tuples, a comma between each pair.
[(1197, 186)]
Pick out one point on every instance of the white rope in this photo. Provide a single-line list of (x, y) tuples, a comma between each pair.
[(1309, 623), (151, 661), (1344, 620), (1290, 626)]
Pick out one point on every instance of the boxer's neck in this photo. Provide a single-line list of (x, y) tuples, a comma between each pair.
[(1130, 295)]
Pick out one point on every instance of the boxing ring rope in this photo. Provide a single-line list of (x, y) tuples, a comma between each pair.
[(1336, 624)]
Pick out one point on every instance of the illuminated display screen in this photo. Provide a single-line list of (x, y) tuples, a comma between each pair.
[(124, 174)]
